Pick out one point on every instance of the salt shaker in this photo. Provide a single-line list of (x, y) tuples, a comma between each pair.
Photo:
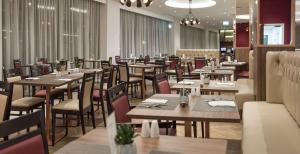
[(145, 129), (154, 129)]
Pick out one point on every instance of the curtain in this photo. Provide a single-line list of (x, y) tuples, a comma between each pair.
[(213, 40), (52, 29), (191, 37), (144, 35)]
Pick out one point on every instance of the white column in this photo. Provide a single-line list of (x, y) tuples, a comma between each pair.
[(1, 52)]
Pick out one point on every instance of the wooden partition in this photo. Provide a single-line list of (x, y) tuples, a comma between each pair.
[(242, 54), (260, 52)]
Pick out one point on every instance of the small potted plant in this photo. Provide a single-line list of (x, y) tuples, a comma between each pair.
[(184, 99), (125, 139), (77, 67), (206, 79), (58, 69)]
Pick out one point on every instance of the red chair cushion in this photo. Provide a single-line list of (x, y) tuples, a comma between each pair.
[(199, 64), (40, 93), (244, 74), (164, 87), (33, 145), (121, 108)]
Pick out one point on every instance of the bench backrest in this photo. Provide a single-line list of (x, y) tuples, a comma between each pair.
[(283, 81)]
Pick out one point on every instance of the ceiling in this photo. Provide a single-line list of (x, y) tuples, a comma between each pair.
[(211, 17)]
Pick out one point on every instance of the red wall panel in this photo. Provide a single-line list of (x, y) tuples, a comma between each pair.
[(277, 11), (242, 34)]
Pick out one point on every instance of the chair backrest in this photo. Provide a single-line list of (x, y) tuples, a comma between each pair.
[(147, 59), (105, 64), (174, 62), (162, 63), (17, 66), (106, 77), (179, 73), (86, 93), (117, 101), (110, 60), (43, 60), (124, 71), (4, 107), (115, 75), (16, 90), (33, 142), (190, 67), (36, 70), (63, 65), (200, 62), (162, 84), (117, 59)]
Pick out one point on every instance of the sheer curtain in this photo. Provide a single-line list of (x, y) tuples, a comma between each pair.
[(144, 35), (53, 29), (213, 40), (191, 38)]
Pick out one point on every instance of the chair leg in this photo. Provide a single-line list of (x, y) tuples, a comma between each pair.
[(142, 90), (153, 87), (98, 105), (82, 123), (202, 129), (66, 125), (93, 117), (28, 129), (53, 127), (195, 129), (103, 113)]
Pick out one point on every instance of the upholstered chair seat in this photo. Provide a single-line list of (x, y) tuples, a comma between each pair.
[(27, 102), (134, 79), (70, 105), (74, 85)]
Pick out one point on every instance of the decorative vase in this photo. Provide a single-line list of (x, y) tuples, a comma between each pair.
[(127, 149)]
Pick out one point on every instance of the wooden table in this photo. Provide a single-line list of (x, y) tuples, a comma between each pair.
[(188, 113), (49, 82), (96, 142), (141, 68), (206, 88)]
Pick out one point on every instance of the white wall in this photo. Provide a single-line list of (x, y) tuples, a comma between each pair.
[(1, 53)]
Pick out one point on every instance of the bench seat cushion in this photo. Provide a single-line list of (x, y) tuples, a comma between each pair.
[(269, 129)]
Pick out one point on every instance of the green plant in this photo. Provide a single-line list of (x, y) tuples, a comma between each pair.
[(77, 65), (58, 67), (183, 92), (125, 134)]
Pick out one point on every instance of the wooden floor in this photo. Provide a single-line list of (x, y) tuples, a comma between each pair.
[(229, 131)]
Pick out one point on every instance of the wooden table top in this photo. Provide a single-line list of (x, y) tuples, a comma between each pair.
[(54, 80), (187, 113), (96, 140), (196, 84)]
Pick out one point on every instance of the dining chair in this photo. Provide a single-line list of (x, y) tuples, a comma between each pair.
[(18, 69), (147, 59), (34, 142), (130, 81), (162, 63), (181, 76), (18, 101), (4, 107), (162, 84), (105, 64), (117, 102), (115, 75), (200, 62), (110, 60), (100, 91), (174, 61), (77, 106), (117, 59), (63, 65)]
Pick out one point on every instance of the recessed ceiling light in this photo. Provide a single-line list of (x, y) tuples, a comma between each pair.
[(195, 4), (243, 16)]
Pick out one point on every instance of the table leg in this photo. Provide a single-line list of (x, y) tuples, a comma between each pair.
[(48, 113), (70, 90), (207, 133), (143, 84), (188, 128)]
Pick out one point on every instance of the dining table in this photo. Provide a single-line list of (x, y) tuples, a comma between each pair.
[(198, 109), (97, 142), (50, 81)]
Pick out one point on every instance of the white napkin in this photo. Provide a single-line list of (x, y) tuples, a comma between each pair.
[(199, 70), (155, 101), (53, 73), (186, 82), (65, 79), (230, 84), (32, 78), (222, 103)]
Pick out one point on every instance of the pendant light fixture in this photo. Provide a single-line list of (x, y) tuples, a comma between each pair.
[(139, 3), (190, 19)]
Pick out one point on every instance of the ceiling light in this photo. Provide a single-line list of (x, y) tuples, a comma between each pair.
[(243, 16), (185, 4), (190, 19), (139, 3)]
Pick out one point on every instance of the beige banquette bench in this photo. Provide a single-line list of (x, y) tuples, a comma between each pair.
[(245, 86), (272, 127), (210, 53)]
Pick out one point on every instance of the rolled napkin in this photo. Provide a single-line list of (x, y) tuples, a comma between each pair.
[(145, 129), (186, 82), (221, 103), (154, 133), (230, 84), (65, 79), (155, 101), (32, 78)]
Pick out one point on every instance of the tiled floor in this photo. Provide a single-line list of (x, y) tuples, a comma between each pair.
[(229, 131)]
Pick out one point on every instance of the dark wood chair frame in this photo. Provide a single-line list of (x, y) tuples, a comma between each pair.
[(15, 125)]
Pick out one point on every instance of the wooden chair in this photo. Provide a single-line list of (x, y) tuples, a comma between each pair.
[(18, 69), (200, 62), (99, 92), (77, 106), (105, 64), (33, 142), (4, 107), (130, 81), (117, 59), (162, 84), (190, 70), (147, 59), (110, 60), (117, 101), (63, 65), (18, 101), (181, 76), (172, 66)]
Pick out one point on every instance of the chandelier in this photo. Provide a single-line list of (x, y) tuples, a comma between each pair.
[(139, 3), (190, 19)]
